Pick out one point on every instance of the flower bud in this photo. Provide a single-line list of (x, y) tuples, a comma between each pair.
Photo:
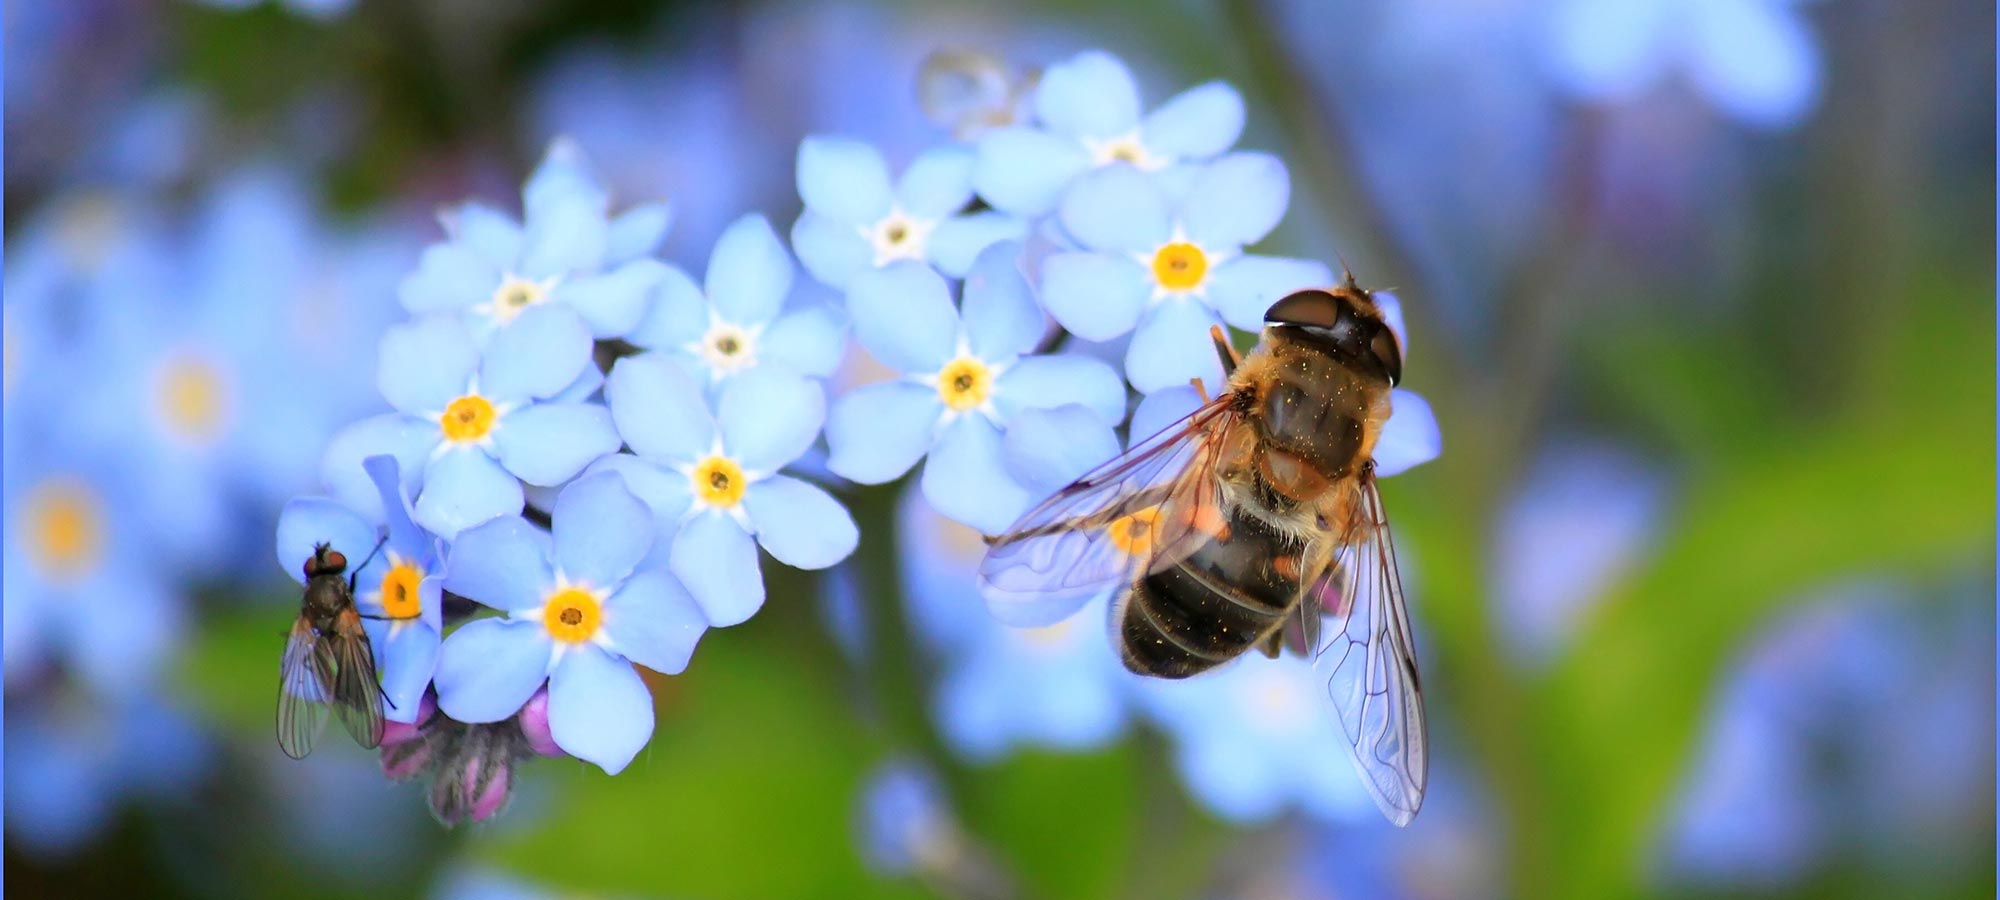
[(534, 720)]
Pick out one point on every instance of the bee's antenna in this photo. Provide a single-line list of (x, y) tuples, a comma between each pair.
[(1347, 272)]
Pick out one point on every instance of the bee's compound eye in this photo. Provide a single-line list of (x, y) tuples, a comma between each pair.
[(1308, 308), (1389, 351)]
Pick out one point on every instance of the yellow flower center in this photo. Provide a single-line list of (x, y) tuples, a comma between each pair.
[(572, 615), (719, 481), (193, 399), (964, 383), (62, 524), (399, 591), (468, 418), (1133, 534), (1180, 266), (516, 294)]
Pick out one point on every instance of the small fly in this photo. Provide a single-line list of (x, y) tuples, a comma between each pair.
[(328, 661)]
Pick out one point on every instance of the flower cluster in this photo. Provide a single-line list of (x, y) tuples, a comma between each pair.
[(588, 447)]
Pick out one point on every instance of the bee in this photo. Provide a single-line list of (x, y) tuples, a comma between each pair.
[(1254, 518), (328, 661)]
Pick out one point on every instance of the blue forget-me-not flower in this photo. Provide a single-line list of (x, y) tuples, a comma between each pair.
[(579, 611), (739, 321), (1170, 264), (1754, 59), (1090, 117), (711, 474), (857, 219), (964, 374)]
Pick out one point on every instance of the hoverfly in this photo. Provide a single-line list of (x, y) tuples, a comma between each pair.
[(1256, 511), (328, 661)]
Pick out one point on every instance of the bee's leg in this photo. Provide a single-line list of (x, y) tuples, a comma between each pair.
[(354, 575), (1224, 350), (1200, 389)]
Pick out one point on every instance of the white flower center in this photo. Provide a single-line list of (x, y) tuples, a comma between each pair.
[(514, 295), (899, 236), (727, 347), (1125, 148)]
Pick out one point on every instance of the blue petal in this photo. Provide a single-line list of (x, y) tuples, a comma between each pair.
[(959, 240), (503, 564), (878, 431), (677, 315), (749, 273), (1243, 289), (614, 302), (122, 634), (404, 535), (1236, 200), (716, 560), (1094, 296), (1410, 438), (489, 668), (801, 525), (1756, 61), (449, 278), (1117, 209), (638, 232), (654, 622), (1046, 449), (583, 389), (599, 708), (1045, 382), (1090, 95), (834, 253), (549, 443), (1198, 123), (1392, 313), (409, 440), (844, 180), (425, 364), (465, 487), (409, 659), (966, 478), (1172, 346), (489, 232), (769, 417), (601, 530), (536, 355), (938, 182), (1606, 51), (903, 315), (1022, 171), (659, 408), (569, 235), (1162, 408), (309, 521), (665, 492), (563, 177), (811, 341), (1001, 318)]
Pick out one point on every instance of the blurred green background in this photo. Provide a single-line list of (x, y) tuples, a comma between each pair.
[(1702, 580)]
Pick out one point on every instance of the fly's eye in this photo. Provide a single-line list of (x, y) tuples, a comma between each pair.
[(326, 561), (1389, 351), (1308, 309)]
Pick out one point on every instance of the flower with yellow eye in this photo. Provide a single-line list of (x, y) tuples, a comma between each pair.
[(966, 375), (1167, 265), (580, 609), (856, 220), (712, 477), (478, 422)]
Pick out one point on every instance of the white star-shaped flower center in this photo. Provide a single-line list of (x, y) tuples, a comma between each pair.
[(899, 236), (1126, 148)]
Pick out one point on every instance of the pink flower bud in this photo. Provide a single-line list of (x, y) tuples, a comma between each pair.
[(534, 719)]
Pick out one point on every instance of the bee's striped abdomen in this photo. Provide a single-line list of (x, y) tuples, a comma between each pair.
[(1207, 609)]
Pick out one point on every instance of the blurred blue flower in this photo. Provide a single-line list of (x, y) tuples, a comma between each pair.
[(1754, 59), (473, 424), (1173, 265), (904, 824), (400, 587), (72, 760), (1252, 740), (856, 219), (740, 321), (711, 476), (965, 374), (569, 253), (579, 611), (1057, 686), (1088, 108), (313, 9)]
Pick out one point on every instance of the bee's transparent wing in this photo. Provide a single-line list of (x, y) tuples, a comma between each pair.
[(1077, 543), (1368, 661), (357, 694), (305, 684)]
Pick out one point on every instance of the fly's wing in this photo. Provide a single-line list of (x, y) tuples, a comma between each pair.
[(357, 695), (1368, 661), (305, 683), (1147, 509)]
